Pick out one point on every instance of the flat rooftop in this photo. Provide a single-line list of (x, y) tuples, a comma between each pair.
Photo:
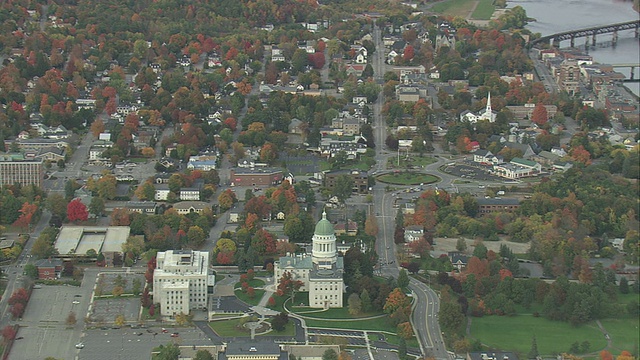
[(77, 240)]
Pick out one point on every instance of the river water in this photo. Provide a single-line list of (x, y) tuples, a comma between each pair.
[(554, 16)]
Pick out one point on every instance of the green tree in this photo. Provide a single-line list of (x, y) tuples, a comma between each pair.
[(480, 251), (403, 279), (343, 187), (31, 271), (451, 316), (168, 352), (203, 355), (402, 349), (330, 354), (461, 245), (96, 206), (365, 298), (57, 204), (624, 285), (355, 304), (196, 236)]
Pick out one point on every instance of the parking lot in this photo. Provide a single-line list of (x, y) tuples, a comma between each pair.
[(43, 328), (125, 343)]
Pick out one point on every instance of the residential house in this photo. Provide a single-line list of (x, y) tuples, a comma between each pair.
[(52, 154), (202, 162), (190, 193), (349, 228), (458, 260), (413, 233)]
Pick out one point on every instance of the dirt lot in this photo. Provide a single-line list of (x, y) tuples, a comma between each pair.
[(444, 245)]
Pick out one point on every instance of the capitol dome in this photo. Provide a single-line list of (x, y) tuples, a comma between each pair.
[(324, 227)]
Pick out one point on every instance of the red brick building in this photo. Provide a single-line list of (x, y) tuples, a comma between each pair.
[(49, 269), (256, 177)]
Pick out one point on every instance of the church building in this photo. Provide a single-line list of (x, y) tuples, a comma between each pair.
[(321, 273), (488, 114)]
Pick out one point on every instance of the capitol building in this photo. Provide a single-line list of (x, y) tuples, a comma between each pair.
[(321, 273)]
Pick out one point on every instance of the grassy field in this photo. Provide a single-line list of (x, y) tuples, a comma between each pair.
[(552, 336), (378, 324), (255, 283), (623, 332), (415, 161), (407, 178), (334, 313), (484, 10), (454, 7), (228, 328), (251, 301)]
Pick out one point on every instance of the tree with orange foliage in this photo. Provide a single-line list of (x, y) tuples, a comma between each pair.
[(268, 153), (120, 217), (625, 355), (371, 225), (605, 355), (243, 87), (480, 268), (405, 330), (251, 222), (580, 154), (26, 214), (97, 127), (148, 152)]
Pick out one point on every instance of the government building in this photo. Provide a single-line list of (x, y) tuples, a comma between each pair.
[(321, 273), (182, 281)]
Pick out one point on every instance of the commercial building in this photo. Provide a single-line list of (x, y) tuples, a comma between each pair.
[(256, 176), (493, 205), (360, 180), (16, 169), (321, 273), (181, 281), (77, 241), (49, 269)]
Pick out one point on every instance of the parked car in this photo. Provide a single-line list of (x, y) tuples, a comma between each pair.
[(80, 346), (175, 334)]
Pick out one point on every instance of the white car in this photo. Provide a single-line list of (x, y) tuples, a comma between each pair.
[(79, 345), (75, 302)]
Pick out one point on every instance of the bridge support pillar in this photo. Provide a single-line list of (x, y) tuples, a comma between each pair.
[(573, 40), (614, 40), (632, 71), (636, 32), (556, 43), (593, 39)]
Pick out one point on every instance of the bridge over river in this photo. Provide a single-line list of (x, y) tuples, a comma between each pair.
[(555, 39)]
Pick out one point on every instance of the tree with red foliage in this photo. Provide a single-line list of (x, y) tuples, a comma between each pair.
[(145, 299), (420, 247), (540, 115), (580, 154), (263, 242), (408, 53), (26, 214), (152, 310), (504, 273), (288, 286), (317, 60), (605, 355), (231, 123), (225, 257), (272, 301), (17, 310), (478, 267), (251, 292), (8, 333), (19, 296), (77, 211)]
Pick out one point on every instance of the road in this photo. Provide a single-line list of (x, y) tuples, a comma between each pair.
[(424, 316)]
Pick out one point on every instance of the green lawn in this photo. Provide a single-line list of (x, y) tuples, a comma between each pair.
[(279, 303), (415, 161), (255, 283), (395, 340), (289, 330), (623, 332), (334, 313), (453, 7), (228, 328), (484, 10), (407, 178), (515, 334), (378, 324), (255, 300)]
